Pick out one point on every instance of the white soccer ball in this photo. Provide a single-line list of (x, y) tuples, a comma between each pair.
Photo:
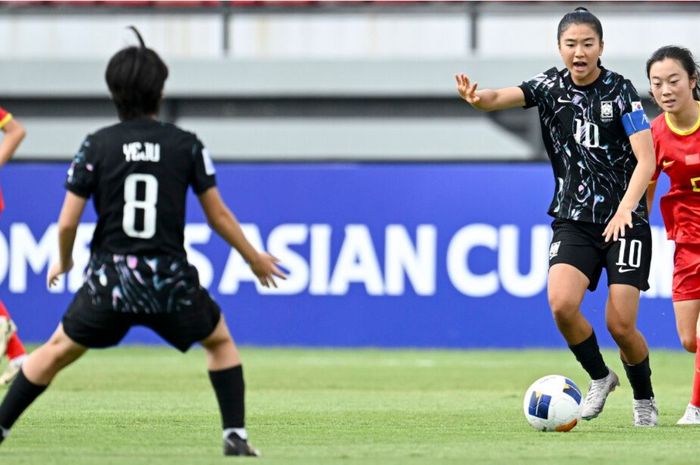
[(552, 403)]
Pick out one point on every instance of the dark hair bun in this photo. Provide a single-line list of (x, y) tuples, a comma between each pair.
[(138, 35)]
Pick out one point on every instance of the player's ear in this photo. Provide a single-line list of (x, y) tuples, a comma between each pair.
[(602, 45)]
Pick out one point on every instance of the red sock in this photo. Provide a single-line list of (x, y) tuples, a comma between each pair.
[(15, 348), (695, 398), (3, 311)]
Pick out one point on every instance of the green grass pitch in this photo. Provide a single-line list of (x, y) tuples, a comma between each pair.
[(152, 406)]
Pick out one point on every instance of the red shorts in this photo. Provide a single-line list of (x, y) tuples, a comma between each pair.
[(686, 272)]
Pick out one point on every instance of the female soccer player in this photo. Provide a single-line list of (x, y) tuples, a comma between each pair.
[(674, 85), (10, 343), (598, 141), (138, 172)]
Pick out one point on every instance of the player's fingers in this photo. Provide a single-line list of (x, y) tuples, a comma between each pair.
[(279, 273)]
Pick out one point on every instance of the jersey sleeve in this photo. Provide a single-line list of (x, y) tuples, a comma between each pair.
[(535, 88), (633, 118), (5, 116), (81, 177), (204, 174)]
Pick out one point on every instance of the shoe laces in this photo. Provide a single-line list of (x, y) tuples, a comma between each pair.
[(692, 413), (597, 389), (644, 411)]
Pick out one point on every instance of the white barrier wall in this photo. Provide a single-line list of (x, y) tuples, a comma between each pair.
[(624, 34), (519, 33), (71, 36), (349, 36)]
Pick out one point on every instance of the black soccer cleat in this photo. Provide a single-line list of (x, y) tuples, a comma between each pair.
[(234, 445)]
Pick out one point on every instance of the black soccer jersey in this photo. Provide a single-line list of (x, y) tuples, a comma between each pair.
[(138, 173), (587, 143)]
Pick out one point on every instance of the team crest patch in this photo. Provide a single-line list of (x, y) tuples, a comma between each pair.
[(606, 109), (554, 249)]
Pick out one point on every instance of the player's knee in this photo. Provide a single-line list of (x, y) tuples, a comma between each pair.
[(60, 353), (219, 342), (621, 329), (562, 306), (689, 343)]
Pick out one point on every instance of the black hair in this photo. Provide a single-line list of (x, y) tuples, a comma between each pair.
[(580, 15), (683, 56), (135, 76)]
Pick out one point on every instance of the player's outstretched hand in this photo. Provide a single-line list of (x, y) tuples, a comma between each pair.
[(467, 89), (616, 226), (265, 268), (56, 270)]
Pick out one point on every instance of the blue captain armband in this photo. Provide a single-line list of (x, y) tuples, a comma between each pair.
[(635, 121)]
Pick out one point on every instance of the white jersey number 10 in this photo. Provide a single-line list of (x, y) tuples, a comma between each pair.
[(587, 134)]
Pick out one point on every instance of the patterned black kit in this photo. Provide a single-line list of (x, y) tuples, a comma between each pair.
[(138, 173), (586, 132)]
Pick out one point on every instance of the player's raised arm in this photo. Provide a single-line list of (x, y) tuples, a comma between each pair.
[(224, 222), (489, 99)]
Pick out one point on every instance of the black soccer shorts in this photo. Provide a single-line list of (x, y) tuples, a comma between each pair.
[(121, 291), (582, 245)]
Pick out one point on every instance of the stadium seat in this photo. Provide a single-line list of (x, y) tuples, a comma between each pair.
[(271, 3), (188, 3)]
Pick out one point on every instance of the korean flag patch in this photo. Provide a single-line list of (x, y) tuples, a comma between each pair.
[(636, 106)]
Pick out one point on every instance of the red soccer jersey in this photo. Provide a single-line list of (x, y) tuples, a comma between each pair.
[(4, 118), (678, 155)]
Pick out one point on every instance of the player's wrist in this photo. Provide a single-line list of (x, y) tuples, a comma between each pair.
[(627, 206), (66, 263)]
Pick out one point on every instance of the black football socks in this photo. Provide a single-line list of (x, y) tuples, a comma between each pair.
[(639, 376), (589, 356), (230, 392), (21, 394)]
